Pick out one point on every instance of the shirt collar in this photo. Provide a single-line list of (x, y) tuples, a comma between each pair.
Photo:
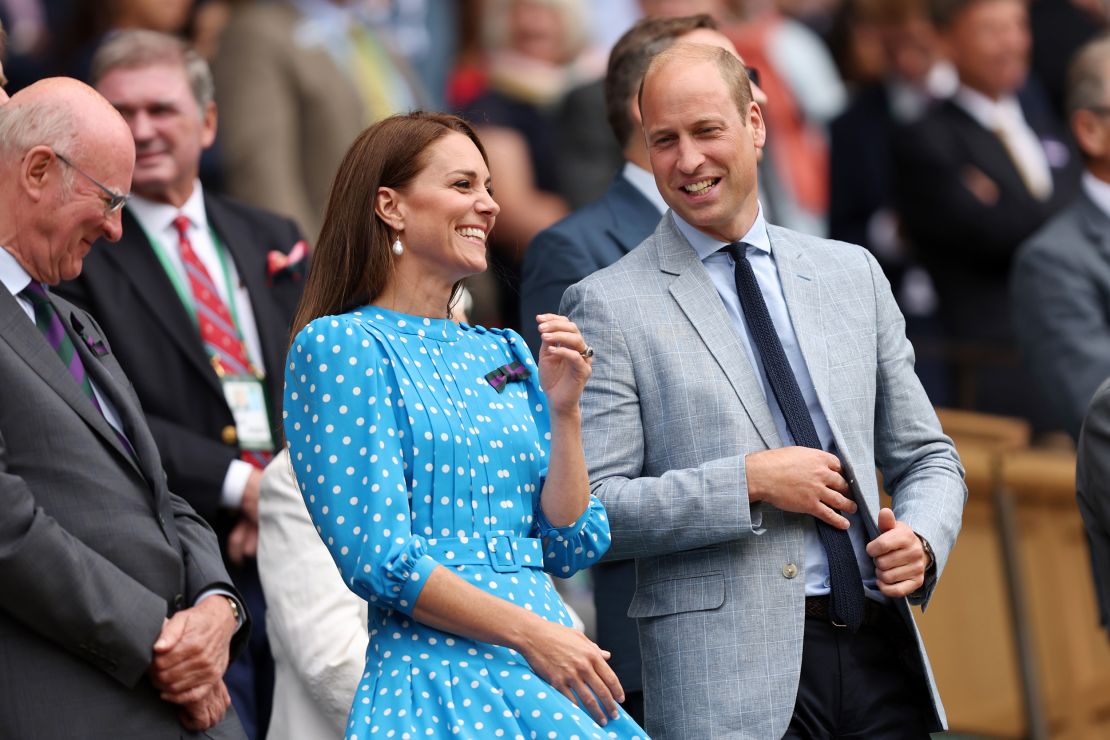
[(989, 113), (706, 246), (12, 274), (156, 218), (1098, 191), (644, 182)]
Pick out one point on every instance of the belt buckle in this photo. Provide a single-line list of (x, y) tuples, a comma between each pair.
[(501, 555)]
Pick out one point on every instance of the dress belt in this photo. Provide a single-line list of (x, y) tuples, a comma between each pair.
[(505, 553)]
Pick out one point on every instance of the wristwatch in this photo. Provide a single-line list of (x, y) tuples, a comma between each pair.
[(239, 616), (932, 566)]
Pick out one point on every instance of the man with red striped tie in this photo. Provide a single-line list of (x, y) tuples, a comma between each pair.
[(197, 299)]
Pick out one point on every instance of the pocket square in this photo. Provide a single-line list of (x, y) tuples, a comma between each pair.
[(506, 374), (96, 346), (292, 264)]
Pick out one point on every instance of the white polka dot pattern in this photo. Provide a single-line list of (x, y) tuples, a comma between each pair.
[(402, 448)]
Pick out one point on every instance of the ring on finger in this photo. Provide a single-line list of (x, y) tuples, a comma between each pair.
[(587, 353)]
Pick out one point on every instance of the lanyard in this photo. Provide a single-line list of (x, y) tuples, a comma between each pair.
[(182, 289)]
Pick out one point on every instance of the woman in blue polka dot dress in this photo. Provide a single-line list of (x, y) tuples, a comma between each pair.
[(442, 468)]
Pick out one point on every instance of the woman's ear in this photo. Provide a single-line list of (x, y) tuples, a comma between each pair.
[(387, 204)]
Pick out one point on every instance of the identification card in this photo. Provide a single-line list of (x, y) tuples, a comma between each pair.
[(247, 401)]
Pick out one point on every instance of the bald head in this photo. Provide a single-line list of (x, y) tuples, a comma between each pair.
[(65, 157)]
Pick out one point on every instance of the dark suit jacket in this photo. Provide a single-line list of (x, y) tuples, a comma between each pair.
[(126, 288), (94, 550), (587, 240), (1061, 305), (968, 246), (1093, 493), (582, 243)]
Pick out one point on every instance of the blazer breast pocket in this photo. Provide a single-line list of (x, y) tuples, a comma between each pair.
[(678, 595)]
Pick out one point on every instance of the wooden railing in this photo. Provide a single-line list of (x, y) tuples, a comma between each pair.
[(1012, 630)]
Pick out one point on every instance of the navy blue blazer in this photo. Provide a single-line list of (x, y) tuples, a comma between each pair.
[(587, 240), (591, 238)]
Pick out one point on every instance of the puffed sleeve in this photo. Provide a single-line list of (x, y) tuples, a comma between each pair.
[(567, 550), (347, 438)]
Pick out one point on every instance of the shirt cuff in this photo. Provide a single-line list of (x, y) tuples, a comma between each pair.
[(239, 618), (235, 482)]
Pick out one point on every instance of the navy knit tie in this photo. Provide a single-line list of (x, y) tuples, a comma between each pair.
[(844, 576)]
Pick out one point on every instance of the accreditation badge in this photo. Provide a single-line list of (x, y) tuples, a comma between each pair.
[(247, 400)]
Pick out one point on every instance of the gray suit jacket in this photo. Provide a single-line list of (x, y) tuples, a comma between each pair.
[(1060, 289), (95, 552), (671, 411), (1092, 482)]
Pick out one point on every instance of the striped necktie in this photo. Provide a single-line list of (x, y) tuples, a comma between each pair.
[(845, 580), (217, 329), (50, 324)]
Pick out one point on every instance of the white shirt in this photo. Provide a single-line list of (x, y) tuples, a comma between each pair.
[(157, 221), (1005, 116), (719, 265)]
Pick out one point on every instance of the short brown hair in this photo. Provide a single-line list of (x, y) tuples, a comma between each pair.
[(352, 261), (945, 12), (731, 69), (629, 61), (1087, 84), (141, 48)]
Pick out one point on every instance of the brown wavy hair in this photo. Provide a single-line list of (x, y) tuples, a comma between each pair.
[(352, 261)]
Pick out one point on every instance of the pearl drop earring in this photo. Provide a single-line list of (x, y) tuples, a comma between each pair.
[(398, 247)]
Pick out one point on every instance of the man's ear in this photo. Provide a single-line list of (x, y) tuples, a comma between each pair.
[(35, 173), (387, 204), (759, 129), (208, 126)]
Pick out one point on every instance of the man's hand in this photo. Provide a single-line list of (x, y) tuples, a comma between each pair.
[(191, 653), (242, 541), (248, 506), (802, 480), (208, 711), (900, 559)]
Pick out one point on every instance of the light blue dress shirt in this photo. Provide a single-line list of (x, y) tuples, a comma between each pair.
[(720, 266)]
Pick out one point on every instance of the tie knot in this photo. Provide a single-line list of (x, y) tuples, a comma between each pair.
[(35, 292), (737, 250), (181, 223)]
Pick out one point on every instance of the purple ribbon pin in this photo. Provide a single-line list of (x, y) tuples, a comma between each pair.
[(502, 376)]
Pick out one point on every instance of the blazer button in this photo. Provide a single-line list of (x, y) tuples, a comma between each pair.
[(789, 570), (229, 435)]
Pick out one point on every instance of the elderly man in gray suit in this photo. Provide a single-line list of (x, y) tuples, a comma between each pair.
[(1061, 277), (747, 379), (118, 617)]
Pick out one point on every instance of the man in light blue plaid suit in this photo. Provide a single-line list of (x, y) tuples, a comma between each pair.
[(747, 630)]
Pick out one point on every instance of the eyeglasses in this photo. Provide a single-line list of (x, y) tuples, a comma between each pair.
[(116, 201), (753, 75)]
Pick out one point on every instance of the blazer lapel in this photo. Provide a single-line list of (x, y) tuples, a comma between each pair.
[(802, 291), (26, 341), (136, 260), (1095, 224), (107, 383), (238, 239), (696, 295)]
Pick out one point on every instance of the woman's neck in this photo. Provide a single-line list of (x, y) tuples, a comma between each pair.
[(419, 298)]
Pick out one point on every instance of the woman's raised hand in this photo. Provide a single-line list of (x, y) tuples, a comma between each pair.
[(564, 360)]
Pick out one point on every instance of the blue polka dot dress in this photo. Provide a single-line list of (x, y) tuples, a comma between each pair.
[(409, 459)]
